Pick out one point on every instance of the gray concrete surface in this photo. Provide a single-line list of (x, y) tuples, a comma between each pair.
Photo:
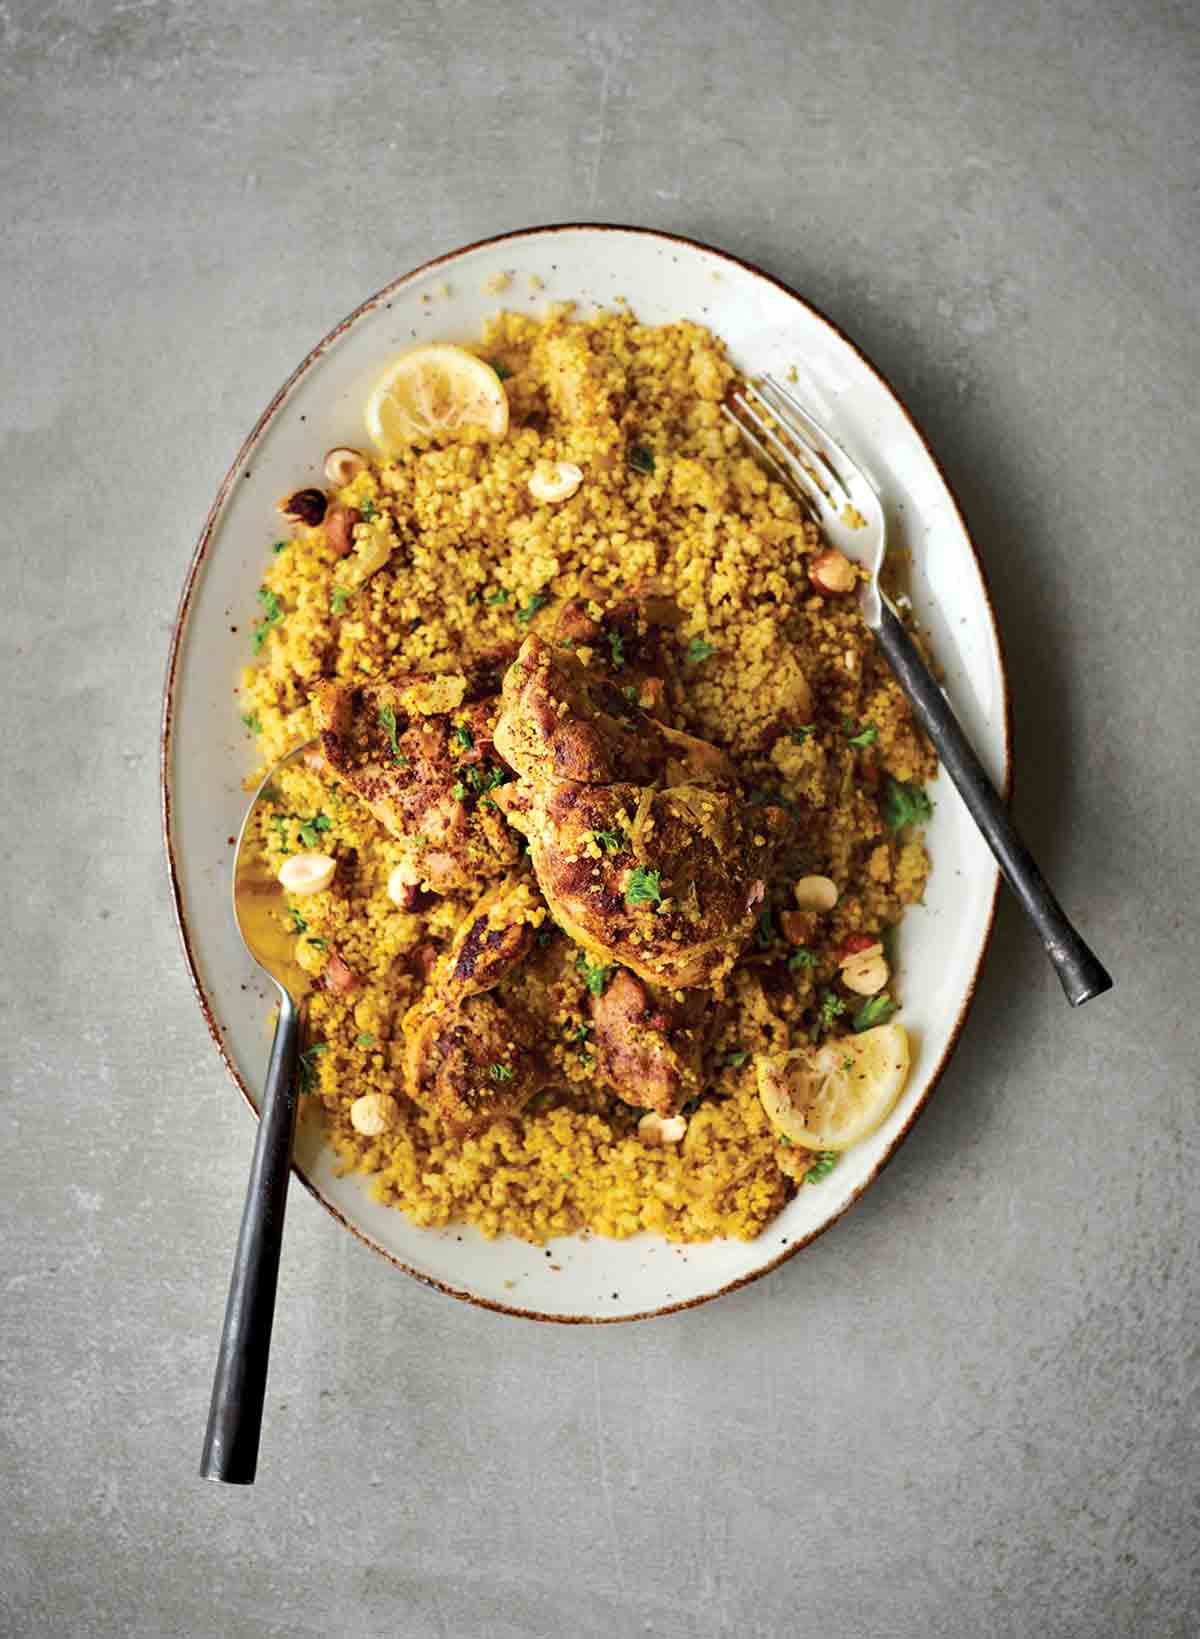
[(971, 1408)]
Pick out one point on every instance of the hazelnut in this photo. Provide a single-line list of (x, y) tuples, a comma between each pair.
[(374, 1114), (555, 480), (404, 889), (339, 529), (832, 573), (304, 506), (339, 977), (303, 874), (343, 465), (657, 1130), (865, 973), (815, 893)]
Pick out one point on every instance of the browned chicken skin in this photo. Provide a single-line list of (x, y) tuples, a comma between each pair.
[(647, 1045), (644, 851), (471, 1043), (424, 774)]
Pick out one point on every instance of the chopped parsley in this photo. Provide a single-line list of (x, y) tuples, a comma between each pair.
[(611, 841), (644, 887), (802, 733), (831, 1008), (500, 1072), (640, 459), (577, 1032), (875, 1010), (537, 600), (458, 791), (317, 944), (866, 736), (299, 925), (629, 690), (368, 511), (461, 738), (764, 932), (388, 718), (617, 644), (801, 957), (501, 369), (905, 805), (339, 600), (595, 974), (823, 1164), (279, 825), (310, 829), (278, 547), (272, 615), (366, 1039), (699, 649), (252, 721), (500, 595), (307, 1065), (735, 1061)]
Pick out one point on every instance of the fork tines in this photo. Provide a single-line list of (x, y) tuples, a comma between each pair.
[(788, 439)]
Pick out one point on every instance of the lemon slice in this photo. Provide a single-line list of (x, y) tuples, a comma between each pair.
[(828, 1097), (435, 392)]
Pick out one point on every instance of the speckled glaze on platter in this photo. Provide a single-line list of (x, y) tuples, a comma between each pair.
[(941, 943)]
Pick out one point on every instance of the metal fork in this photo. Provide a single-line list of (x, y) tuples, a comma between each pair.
[(841, 498)]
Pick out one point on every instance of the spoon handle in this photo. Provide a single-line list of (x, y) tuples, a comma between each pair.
[(240, 1380), (1081, 974)]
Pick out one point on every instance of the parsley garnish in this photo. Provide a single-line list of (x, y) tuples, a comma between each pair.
[(317, 944), (299, 925), (644, 887), (272, 613), (537, 600), (764, 932), (595, 974), (823, 1164), (462, 738), (458, 791), (577, 1032), (501, 369), (388, 718), (831, 1008), (800, 734), (339, 600), (617, 644), (307, 1065), (905, 805), (866, 736), (801, 958), (699, 649), (629, 690), (640, 459), (252, 721), (876, 1010), (279, 823), (369, 511), (500, 1072), (498, 596), (278, 547), (366, 1039), (611, 841), (736, 1060), (308, 832)]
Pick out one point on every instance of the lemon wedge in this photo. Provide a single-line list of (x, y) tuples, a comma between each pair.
[(828, 1097), (435, 392)]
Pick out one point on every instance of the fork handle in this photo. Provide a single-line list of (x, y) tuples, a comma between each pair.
[(240, 1380), (1080, 972)]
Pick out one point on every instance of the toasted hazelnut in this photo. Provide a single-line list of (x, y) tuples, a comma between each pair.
[(339, 978), (832, 573), (343, 465), (339, 528), (305, 506), (657, 1130), (555, 480), (857, 944), (866, 973), (815, 893), (405, 891), (307, 873), (374, 1114)]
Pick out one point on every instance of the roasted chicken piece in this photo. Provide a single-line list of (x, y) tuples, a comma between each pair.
[(471, 1040), (624, 642), (418, 751), (648, 1045), (644, 851)]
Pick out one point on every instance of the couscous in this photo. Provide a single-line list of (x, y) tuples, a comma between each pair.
[(614, 808)]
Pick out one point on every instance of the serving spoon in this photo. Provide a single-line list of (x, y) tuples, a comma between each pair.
[(240, 1379), (844, 501)]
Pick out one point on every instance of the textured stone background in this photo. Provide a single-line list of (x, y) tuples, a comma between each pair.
[(971, 1408)]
